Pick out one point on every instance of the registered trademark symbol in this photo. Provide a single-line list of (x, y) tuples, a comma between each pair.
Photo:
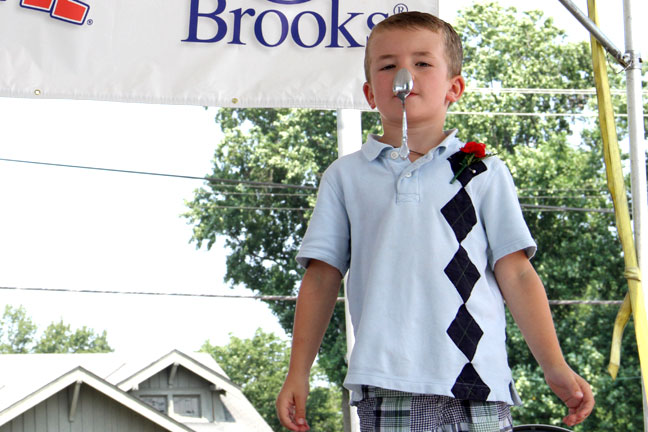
[(90, 22), (400, 8)]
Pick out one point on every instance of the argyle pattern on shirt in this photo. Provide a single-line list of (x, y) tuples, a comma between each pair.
[(464, 330)]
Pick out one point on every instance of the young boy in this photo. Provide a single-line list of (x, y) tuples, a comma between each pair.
[(430, 261)]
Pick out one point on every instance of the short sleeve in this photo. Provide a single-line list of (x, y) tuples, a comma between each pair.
[(328, 235), (506, 229)]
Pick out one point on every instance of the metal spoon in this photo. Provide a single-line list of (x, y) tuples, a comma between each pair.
[(402, 87)]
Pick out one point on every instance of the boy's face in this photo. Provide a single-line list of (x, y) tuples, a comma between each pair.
[(422, 52)]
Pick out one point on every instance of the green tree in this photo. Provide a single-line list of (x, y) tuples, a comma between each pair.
[(16, 330), (556, 161), (259, 365), (263, 226), (18, 335), (60, 338)]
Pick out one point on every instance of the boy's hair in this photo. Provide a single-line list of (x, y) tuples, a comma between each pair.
[(420, 20)]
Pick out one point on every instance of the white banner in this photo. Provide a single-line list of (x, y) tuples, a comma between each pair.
[(236, 53)]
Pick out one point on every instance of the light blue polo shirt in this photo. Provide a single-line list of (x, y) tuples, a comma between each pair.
[(427, 312)]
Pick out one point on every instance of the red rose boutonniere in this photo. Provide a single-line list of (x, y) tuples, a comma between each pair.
[(474, 152)]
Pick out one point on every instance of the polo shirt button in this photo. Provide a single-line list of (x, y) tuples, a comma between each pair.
[(393, 154), (408, 175)]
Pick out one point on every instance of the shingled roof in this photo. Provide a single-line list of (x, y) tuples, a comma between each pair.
[(29, 379)]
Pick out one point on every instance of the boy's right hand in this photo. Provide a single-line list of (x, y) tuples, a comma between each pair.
[(573, 390), (291, 404)]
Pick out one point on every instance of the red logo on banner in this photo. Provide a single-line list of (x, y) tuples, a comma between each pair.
[(71, 11)]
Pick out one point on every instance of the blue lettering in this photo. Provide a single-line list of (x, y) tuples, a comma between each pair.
[(321, 29), (238, 15), (371, 19), (340, 28), (258, 28), (193, 22), (275, 33)]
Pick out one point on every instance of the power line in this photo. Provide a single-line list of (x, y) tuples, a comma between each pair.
[(229, 182), (159, 294), (560, 197), (271, 194), (537, 91), (525, 207), (529, 114), (189, 177), (563, 190), (537, 207), (261, 297), (302, 209)]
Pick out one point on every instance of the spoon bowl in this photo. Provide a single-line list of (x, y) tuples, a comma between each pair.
[(403, 84)]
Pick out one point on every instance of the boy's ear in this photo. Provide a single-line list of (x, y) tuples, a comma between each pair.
[(369, 95), (457, 87)]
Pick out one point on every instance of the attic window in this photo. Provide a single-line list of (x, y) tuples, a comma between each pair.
[(187, 405), (157, 402)]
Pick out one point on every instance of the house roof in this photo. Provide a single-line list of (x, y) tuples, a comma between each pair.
[(80, 375), (25, 378)]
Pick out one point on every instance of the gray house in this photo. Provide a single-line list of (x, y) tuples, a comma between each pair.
[(176, 392)]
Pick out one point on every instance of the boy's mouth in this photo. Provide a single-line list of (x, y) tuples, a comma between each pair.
[(408, 96)]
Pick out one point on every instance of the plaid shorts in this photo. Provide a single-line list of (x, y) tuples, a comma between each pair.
[(383, 410)]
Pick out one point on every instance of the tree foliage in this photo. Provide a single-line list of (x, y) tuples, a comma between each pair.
[(259, 365), (60, 338), (555, 159), (263, 226), (18, 335), (16, 331)]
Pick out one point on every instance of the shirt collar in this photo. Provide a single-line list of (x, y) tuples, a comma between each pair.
[(374, 148)]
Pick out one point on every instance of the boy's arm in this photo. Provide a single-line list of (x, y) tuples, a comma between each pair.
[(527, 300), (315, 302)]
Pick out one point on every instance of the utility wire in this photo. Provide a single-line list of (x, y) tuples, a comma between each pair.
[(536, 91), (563, 190), (235, 183), (209, 179), (251, 183), (560, 197), (262, 297), (271, 194), (529, 114), (537, 207), (525, 207), (158, 294)]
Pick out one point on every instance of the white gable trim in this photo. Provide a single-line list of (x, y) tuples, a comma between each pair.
[(81, 375), (170, 359)]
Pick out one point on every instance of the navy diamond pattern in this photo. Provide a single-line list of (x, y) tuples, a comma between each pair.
[(460, 214), (462, 273), (464, 330), (469, 386)]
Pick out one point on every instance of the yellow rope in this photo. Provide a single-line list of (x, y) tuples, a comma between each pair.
[(634, 300)]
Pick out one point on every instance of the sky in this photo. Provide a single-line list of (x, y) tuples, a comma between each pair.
[(65, 228)]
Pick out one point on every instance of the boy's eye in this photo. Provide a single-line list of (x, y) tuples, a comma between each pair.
[(423, 64), (387, 67)]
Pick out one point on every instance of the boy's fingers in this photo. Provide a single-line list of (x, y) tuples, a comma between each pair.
[(292, 413), (285, 410), (300, 411), (580, 403)]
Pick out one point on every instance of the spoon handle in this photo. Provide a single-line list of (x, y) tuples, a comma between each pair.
[(404, 150)]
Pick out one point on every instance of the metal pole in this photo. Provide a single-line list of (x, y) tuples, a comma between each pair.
[(595, 31), (349, 132), (637, 155)]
